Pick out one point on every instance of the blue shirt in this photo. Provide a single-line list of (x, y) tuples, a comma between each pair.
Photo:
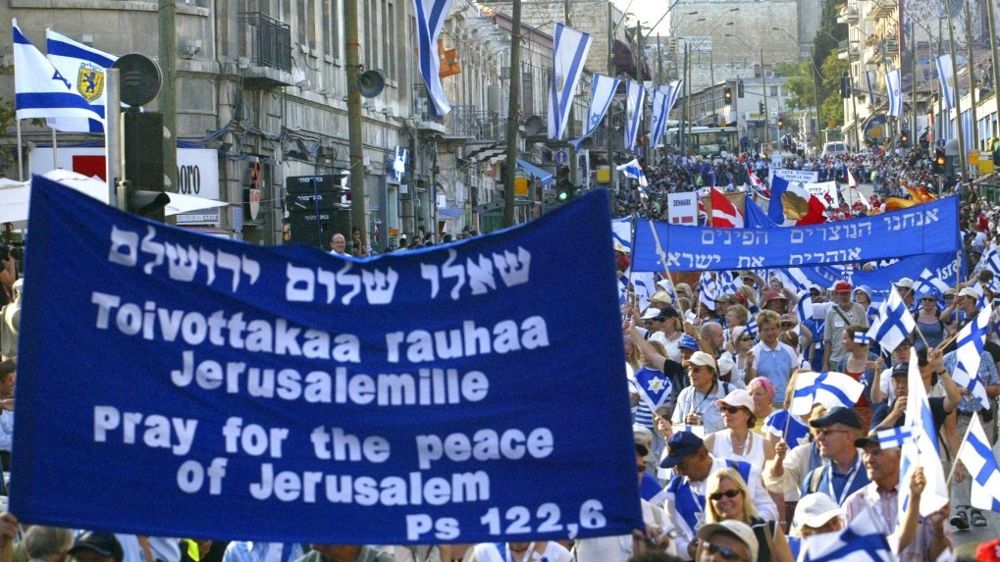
[(836, 484), (255, 551)]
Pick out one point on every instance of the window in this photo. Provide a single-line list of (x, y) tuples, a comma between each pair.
[(331, 28), (304, 21), (388, 39), (774, 91)]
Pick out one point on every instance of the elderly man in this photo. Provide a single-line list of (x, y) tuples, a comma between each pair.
[(692, 463), (713, 341), (841, 473), (338, 244), (913, 538), (844, 313), (696, 403), (92, 546)]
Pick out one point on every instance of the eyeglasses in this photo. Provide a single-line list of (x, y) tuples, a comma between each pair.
[(787, 324), (728, 494), (730, 409), (826, 432), (746, 338), (727, 553)]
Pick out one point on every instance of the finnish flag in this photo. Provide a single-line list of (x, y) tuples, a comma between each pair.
[(893, 324), (633, 109), (969, 352), (602, 91), (830, 389), (861, 541), (892, 83), (430, 19), (977, 456), (569, 55), (85, 67), (41, 91)]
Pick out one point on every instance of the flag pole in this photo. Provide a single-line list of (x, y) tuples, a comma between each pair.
[(55, 150), (644, 200), (954, 465), (20, 157)]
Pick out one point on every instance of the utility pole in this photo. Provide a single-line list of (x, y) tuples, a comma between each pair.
[(991, 18), (767, 114), (115, 149), (356, 149), (609, 141), (913, 84), (685, 115), (958, 101), (972, 76), (513, 108), (571, 148), (854, 99), (167, 53)]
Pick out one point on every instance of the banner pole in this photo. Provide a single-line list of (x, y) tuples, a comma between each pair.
[(20, 157), (55, 150), (644, 200)]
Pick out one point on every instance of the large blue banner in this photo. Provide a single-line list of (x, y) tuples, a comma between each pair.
[(176, 384), (931, 228), (880, 279)]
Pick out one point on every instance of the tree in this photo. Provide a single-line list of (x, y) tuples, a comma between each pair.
[(832, 112), (800, 83)]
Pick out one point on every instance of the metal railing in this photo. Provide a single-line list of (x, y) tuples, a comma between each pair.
[(476, 124), (265, 41)]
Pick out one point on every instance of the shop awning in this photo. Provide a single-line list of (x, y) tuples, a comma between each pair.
[(538, 173), (448, 213)]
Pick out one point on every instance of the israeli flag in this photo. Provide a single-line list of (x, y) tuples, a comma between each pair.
[(602, 91), (894, 322), (861, 541), (621, 232), (871, 82), (709, 289), (921, 451), (830, 389), (430, 19), (947, 79), (969, 352), (675, 89), (633, 109), (659, 117), (633, 170), (892, 85), (85, 66), (656, 388), (41, 91), (569, 54), (977, 456)]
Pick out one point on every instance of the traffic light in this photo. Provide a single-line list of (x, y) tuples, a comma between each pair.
[(727, 92), (144, 164), (564, 190), (904, 137), (739, 89), (845, 86), (939, 161), (996, 151), (781, 121), (761, 107)]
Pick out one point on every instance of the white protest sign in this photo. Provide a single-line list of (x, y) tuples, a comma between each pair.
[(682, 208), (793, 176)]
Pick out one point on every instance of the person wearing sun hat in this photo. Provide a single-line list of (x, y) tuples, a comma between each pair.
[(736, 440)]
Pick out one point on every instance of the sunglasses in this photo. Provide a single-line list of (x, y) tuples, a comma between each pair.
[(728, 494), (726, 553), (729, 409)]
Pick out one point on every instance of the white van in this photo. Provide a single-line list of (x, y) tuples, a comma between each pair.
[(835, 148)]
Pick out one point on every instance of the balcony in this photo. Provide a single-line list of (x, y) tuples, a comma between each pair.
[(265, 50), (891, 46), (475, 125), (425, 117), (881, 9)]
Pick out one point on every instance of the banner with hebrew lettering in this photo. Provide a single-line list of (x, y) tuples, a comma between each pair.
[(930, 228), (176, 384)]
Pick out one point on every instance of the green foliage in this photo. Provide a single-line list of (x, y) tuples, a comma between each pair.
[(832, 111)]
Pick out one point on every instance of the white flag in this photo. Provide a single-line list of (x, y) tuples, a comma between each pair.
[(85, 66), (569, 55), (41, 91)]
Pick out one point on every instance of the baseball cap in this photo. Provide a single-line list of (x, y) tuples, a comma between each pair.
[(866, 440), (651, 313), (969, 292), (688, 342), (905, 282), (643, 438), (838, 414), (814, 510), (681, 445), (702, 359), (104, 544), (739, 398), (770, 295), (842, 287), (737, 529), (900, 370)]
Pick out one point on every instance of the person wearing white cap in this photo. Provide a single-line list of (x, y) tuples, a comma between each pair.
[(696, 403), (815, 514), (737, 441), (728, 540)]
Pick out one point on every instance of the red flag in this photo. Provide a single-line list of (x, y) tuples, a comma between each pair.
[(724, 213)]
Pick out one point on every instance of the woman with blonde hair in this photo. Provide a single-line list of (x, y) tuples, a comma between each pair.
[(728, 497)]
